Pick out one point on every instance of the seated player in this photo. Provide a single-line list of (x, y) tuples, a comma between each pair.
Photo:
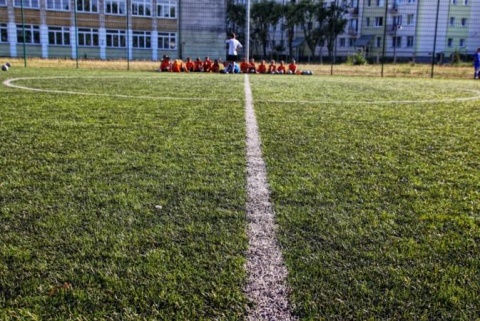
[(189, 65), (231, 68), (272, 68), (166, 64), (292, 67), (262, 68), (216, 66), (198, 65), (252, 67), (282, 69), (207, 65), (178, 66), (244, 66)]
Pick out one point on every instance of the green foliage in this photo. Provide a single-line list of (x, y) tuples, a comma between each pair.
[(357, 59), (456, 58)]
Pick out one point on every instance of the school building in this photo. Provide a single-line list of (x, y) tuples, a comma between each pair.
[(112, 29)]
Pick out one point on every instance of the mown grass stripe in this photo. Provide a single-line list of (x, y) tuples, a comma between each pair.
[(266, 285)]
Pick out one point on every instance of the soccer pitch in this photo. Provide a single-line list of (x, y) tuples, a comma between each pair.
[(123, 195)]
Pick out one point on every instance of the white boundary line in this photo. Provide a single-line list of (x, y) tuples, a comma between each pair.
[(10, 83), (266, 285)]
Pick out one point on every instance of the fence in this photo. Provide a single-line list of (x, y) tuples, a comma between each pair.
[(379, 32)]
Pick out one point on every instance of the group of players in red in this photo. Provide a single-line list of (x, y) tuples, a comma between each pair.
[(217, 65)]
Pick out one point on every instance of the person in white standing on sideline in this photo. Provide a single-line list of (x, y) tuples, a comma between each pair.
[(233, 46)]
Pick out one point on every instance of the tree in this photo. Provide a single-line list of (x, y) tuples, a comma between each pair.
[(264, 15), (293, 16), (335, 25), (236, 17), (311, 18)]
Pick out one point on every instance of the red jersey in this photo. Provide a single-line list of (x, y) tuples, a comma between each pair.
[(190, 66), (272, 68), (244, 67), (165, 65), (262, 68), (207, 65), (198, 65), (292, 67), (177, 65)]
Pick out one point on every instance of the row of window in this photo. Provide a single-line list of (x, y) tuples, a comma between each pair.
[(381, 3), (89, 37), (398, 20), (164, 8), (397, 42)]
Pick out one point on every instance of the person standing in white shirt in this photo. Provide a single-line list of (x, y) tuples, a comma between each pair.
[(233, 46)]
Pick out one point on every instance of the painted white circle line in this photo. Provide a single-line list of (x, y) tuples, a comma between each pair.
[(10, 83)]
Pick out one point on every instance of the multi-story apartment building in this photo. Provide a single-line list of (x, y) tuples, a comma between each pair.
[(408, 29), (112, 29)]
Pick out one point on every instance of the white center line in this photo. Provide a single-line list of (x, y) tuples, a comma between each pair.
[(266, 286)]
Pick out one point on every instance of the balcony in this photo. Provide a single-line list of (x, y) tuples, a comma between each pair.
[(393, 8), (394, 28), (353, 11), (352, 31)]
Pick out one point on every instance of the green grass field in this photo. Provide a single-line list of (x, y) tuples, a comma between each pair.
[(122, 195)]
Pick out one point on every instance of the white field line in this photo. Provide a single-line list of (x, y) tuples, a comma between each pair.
[(10, 83), (266, 286)]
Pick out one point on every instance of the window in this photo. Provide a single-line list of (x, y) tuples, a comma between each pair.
[(167, 40), (87, 37), (87, 5), (464, 22), (32, 34), (411, 1), (59, 36), (378, 42), (450, 42), (369, 3), (351, 42), (379, 3), (141, 39), (141, 8), (465, 2), (461, 43), (116, 39), (3, 33), (3, 3), (410, 19), (378, 21), (454, 2), (342, 43), (62, 5), (397, 21), (166, 8), (367, 22), (452, 21), (409, 41), (396, 42), (27, 3), (115, 7)]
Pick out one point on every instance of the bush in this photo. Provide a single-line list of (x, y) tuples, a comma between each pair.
[(357, 59)]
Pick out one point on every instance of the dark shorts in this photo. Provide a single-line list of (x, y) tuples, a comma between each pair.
[(231, 58)]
